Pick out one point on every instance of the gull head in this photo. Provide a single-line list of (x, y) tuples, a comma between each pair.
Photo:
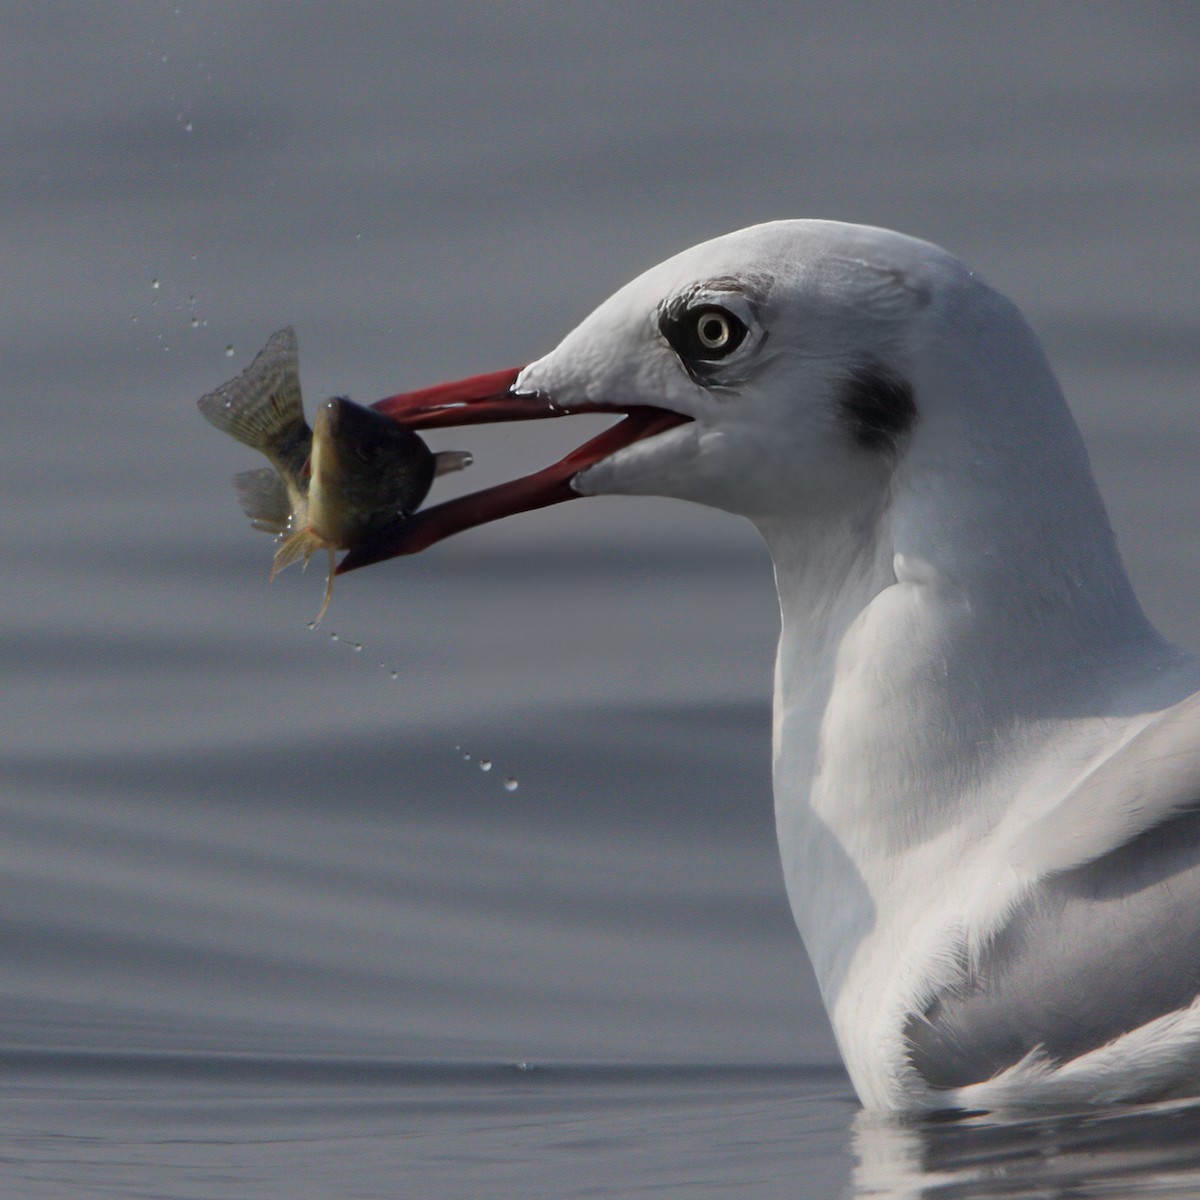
[(800, 373), (790, 349)]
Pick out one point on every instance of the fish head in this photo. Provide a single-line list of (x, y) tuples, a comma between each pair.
[(368, 471)]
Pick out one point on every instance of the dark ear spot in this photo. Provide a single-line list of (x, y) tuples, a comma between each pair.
[(876, 408)]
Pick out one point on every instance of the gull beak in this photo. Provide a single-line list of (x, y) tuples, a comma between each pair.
[(484, 399)]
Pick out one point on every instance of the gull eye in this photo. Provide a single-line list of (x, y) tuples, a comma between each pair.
[(715, 332), (702, 335)]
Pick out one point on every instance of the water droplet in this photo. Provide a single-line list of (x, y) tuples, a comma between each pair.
[(333, 637), (358, 647), (466, 756), (511, 784), (395, 675), (228, 351), (485, 764), (154, 284), (312, 624), (187, 127), (195, 322)]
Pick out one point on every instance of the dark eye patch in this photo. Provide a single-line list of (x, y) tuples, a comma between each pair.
[(876, 407)]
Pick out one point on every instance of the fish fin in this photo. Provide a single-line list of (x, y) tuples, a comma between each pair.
[(264, 400), (302, 544), (328, 583), (264, 499), (446, 461)]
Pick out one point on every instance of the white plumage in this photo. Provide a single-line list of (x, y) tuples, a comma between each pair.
[(986, 760)]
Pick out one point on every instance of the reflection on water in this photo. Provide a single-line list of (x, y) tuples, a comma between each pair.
[(1146, 1150), (215, 1125), (448, 1129)]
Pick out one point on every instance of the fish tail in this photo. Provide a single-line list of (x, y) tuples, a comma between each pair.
[(264, 499), (262, 405)]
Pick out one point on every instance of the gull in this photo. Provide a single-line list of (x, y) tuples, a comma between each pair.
[(986, 760)]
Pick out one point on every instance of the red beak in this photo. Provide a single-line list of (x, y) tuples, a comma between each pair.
[(480, 400)]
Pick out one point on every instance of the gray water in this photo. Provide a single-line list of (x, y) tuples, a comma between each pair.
[(268, 929)]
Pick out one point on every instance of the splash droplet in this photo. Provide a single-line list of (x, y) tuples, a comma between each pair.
[(466, 756), (485, 764), (187, 127), (333, 637), (228, 351), (511, 784), (394, 675), (154, 284), (357, 647)]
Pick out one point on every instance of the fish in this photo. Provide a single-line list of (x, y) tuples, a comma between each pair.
[(331, 486)]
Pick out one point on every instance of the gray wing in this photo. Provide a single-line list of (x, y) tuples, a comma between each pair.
[(1145, 780), (1093, 953), (1108, 938)]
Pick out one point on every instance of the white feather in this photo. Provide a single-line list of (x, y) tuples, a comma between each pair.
[(968, 697)]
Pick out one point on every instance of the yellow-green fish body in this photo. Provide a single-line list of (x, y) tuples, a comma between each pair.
[(328, 488)]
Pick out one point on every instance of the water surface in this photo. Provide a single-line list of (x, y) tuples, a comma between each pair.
[(268, 928)]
